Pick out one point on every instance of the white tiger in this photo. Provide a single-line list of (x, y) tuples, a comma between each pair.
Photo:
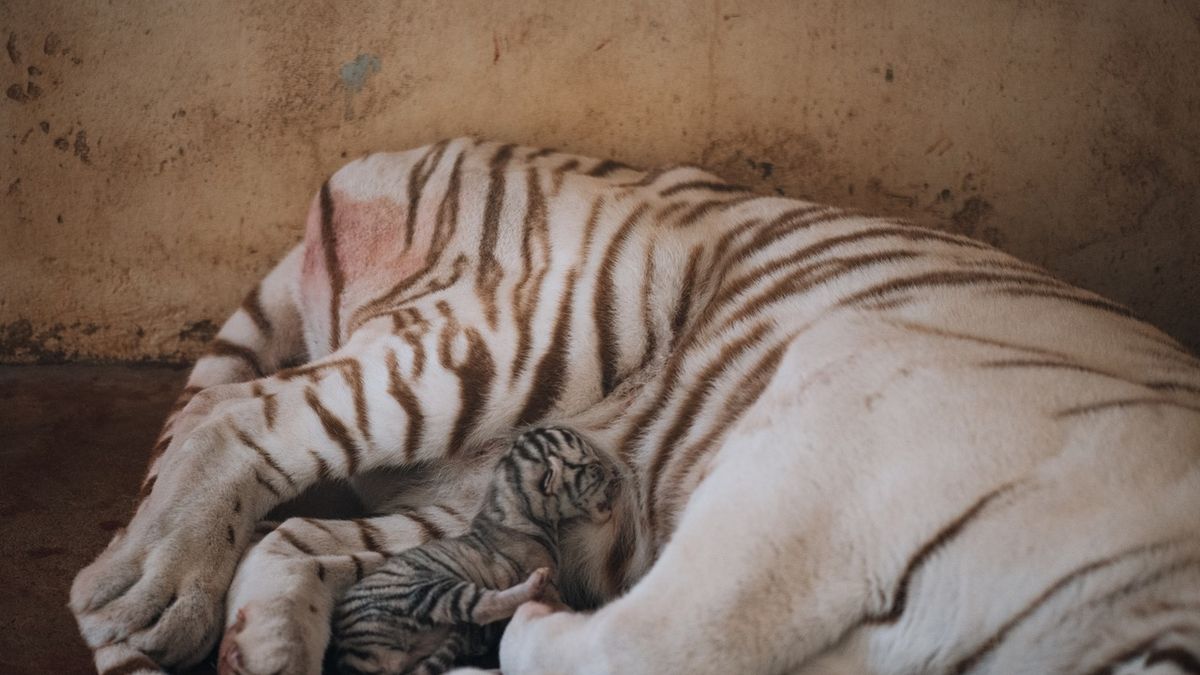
[(847, 444)]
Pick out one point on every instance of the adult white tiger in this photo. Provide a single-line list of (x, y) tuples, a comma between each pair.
[(849, 444)]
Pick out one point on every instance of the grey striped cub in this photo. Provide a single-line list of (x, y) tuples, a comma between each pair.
[(430, 605)]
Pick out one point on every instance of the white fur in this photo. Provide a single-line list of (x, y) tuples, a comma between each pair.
[(881, 425)]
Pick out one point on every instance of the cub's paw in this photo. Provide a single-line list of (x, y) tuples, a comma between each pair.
[(536, 584)]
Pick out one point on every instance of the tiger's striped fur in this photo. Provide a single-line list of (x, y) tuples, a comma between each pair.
[(850, 443), (384, 623)]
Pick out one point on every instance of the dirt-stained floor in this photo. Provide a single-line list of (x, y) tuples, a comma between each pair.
[(73, 446)]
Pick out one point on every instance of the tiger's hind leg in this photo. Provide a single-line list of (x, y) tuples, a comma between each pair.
[(262, 336), (160, 584), (285, 587), (1138, 614)]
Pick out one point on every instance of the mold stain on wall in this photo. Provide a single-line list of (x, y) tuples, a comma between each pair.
[(354, 77)]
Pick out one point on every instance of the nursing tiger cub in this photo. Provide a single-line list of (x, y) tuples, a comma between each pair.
[(846, 443), (415, 613)]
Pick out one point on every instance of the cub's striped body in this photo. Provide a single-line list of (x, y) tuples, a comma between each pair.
[(547, 478), (848, 444)]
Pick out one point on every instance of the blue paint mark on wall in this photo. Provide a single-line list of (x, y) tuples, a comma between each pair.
[(354, 76)]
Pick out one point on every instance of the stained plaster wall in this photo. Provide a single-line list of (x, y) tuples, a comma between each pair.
[(157, 157)]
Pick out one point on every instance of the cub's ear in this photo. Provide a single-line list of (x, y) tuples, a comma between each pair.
[(552, 481)]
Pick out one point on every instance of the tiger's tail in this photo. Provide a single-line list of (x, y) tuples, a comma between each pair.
[(1171, 653), (1144, 617)]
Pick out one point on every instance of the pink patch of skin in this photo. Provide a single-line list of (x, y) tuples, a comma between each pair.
[(229, 660), (370, 249), (370, 239)]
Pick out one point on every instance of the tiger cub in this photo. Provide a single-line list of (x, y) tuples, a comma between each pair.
[(429, 605)]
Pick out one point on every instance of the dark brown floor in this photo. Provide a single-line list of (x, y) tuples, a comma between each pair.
[(73, 446)]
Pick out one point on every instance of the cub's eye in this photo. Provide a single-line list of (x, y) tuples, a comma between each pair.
[(596, 472)]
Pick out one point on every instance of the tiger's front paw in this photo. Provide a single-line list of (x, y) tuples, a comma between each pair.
[(160, 594), (279, 636), (280, 606)]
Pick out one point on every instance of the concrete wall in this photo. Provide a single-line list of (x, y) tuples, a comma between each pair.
[(158, 156)]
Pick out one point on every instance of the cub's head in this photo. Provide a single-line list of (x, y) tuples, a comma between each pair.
[(573, 478)]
